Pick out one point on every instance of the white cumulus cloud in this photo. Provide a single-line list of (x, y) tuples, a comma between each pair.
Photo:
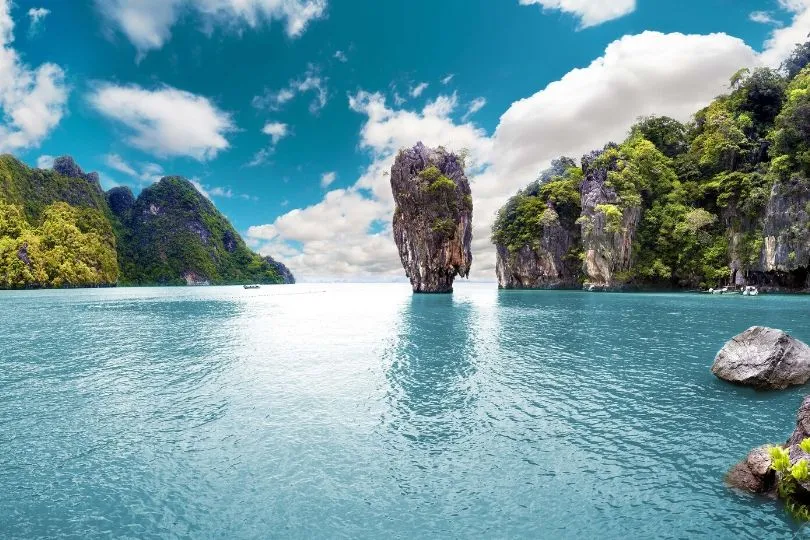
[(276, 130), (589, 12), (784, 40), (32, 100), (475, 105), (45, 161), (165, 122), (148, 23)]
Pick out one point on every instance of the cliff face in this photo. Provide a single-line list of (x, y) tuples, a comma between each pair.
[(538, 239), (724, 200), (786, 236), (172, 234), (608, 228), (59, 229), (547, 266), (433, 217)]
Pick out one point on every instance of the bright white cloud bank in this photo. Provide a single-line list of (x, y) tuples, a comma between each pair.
[(348, 233), (32, 100), (148, 23), (590, 12), (165, 122)]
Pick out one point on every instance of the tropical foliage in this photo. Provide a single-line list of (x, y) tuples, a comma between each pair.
[(701, 187), (61, 231)]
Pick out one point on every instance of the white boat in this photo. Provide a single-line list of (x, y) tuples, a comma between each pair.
[(750, 290), (724, 290)]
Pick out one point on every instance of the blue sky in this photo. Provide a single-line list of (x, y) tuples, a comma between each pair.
[(287, 112)]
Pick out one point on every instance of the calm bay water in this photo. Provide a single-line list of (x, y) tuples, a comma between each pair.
[(323, 411)]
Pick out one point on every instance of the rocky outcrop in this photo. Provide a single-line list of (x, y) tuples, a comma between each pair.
[(753, 473), (756, 473), (548, 265), (286, 276), (66, 166), (433, 217), (764, 358), (120, 199), (608, 229), (550, 260), (173, 234), (785, 255)]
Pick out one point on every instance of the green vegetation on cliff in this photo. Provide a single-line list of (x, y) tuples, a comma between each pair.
[(544, 202), (59, 229), (172, 234), (698, 204)]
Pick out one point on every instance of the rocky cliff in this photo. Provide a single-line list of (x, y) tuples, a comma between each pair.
[(608, 223), (172, 234), (538, 243), (722, 200), (59, 228), (433, 217)]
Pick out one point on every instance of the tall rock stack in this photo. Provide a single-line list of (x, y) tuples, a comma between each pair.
[(433, 217)]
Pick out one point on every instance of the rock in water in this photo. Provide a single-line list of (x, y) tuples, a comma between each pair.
[(764, 358), (433, 217), (754, 473)]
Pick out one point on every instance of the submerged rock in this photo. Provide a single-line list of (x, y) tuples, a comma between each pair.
[(764, 358), (433, 217)]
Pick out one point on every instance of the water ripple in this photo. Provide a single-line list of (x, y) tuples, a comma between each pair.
[(360, 411)]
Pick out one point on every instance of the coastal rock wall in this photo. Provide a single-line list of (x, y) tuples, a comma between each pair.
[(537, 240), (608, 230), (785, 251), (548, 265), (432, 222)]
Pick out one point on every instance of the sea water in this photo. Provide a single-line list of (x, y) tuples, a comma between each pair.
[(362, 411)]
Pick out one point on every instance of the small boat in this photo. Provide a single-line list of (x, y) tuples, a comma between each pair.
[(750, 290), (723, 290), (252, 286)]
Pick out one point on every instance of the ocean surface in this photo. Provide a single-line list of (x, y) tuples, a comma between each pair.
[(361, 411)]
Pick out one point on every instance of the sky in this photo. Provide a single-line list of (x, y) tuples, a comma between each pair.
[(287, 113)]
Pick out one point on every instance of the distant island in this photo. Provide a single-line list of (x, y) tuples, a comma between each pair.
[(58, 228), (724, 199)]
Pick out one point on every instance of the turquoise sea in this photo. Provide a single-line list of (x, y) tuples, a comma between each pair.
[(361, 411)]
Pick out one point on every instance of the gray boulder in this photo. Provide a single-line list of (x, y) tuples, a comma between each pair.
[(764, 358)]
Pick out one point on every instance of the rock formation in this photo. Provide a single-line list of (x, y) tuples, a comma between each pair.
[(433, 217), (753, 473), (608, 228), (551, 260), (762, 472), (169, 234), (67, 167), (674, 206), (764, 358), (286, 276)]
